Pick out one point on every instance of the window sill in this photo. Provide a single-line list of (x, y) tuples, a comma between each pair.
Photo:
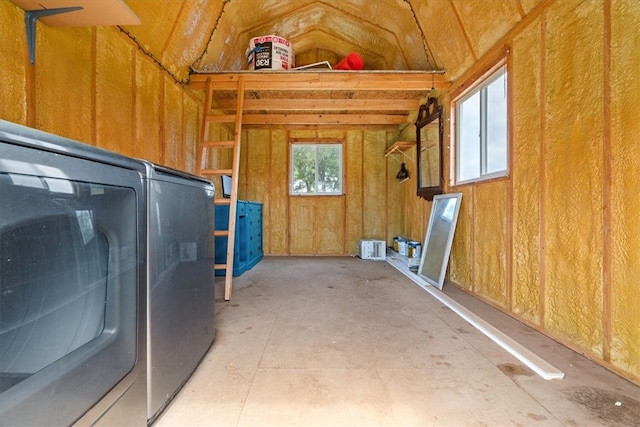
[(480, 181)]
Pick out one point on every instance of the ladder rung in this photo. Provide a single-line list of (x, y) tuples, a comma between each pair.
[(216, 172), (218, 144), (222, 201), (221, 233), (221, 118), (220, 266)]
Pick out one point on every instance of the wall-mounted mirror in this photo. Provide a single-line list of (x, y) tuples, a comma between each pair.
[(437, 242), (429, 126)]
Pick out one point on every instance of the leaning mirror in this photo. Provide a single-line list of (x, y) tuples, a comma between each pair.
[(437, 242), (429, 142)]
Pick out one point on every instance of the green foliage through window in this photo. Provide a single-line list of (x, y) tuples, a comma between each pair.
[(316, 169)]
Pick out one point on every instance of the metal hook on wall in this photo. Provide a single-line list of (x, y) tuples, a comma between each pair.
[(406, 157), (30, 18)]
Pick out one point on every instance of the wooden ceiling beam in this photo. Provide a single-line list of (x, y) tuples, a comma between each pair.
[(301, 104), (327, 80), (323, 119)]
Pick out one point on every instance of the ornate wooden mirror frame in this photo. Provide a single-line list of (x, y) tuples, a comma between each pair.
[(429, 135)]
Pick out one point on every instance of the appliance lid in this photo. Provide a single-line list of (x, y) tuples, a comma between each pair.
[(14, 133), (158, 172)]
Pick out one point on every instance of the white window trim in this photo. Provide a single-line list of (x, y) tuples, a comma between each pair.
[(316, 144), (483, 81)]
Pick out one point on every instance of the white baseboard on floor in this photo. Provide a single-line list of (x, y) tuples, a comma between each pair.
[(530, 359)]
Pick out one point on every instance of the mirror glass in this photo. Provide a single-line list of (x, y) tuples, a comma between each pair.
[(429, 143), (438, 239), (429, 155)]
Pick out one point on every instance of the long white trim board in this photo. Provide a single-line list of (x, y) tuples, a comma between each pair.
[(530, 359)]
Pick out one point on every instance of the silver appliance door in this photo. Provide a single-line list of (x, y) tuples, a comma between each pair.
[(181, 281), (72, 224)]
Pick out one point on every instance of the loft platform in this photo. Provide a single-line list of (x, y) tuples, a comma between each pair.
[(322, 98)]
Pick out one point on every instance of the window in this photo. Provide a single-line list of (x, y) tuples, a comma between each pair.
[(316, 169), (481, 132)]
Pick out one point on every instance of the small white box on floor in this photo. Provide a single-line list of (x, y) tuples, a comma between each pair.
[(372, 249)]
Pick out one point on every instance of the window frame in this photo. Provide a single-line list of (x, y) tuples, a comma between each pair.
[(480, 86), (316, 143)]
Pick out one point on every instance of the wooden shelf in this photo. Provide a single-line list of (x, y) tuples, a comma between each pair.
[(93, 13), (399, 147)]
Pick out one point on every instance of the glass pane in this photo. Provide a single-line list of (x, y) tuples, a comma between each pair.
[(497, 125), (430, 155), (303, 160), (329, 171), (68, 287), (469, 138)]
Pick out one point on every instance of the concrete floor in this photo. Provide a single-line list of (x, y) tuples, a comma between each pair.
[(311, 341)]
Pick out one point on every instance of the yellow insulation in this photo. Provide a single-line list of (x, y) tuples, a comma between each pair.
[(573, 173), (14, 93), (114, 63), (526, 180), (353, 188), (625, 203), (64, 90), (147, 110), (489, 239)]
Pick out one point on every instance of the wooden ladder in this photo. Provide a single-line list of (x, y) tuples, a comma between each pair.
[(205, 144)]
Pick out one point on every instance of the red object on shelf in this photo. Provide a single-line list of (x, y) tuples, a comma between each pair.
[(352, 61)]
